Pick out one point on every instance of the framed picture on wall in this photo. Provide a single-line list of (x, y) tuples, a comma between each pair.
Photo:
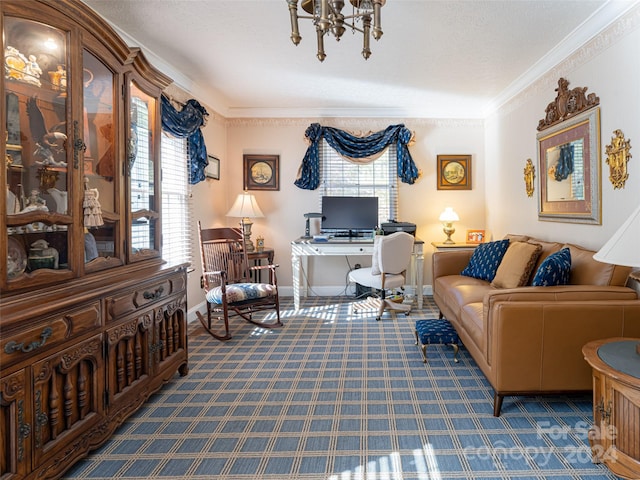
[(261, 172), (569, 170), (213, 169), (454, 172)]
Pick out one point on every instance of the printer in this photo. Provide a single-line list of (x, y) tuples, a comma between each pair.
[(392, 227)]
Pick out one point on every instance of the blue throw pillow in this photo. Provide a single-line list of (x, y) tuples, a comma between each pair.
[(554, 270), (485, 260)]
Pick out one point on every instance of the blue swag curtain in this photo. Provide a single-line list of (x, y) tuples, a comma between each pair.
[(186, 123), (355, 147), (564, 168)]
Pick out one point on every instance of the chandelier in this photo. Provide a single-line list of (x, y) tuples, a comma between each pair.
[(328, 18)]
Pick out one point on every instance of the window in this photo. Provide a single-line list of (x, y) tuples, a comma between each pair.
[(176, 200), (142, 179), (375, 179)]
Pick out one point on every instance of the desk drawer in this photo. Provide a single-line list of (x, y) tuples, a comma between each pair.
[(336, 249)]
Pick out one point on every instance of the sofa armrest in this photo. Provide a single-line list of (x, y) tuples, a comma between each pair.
[(532, 331), (538, 346), (559, 293), (450, 262)]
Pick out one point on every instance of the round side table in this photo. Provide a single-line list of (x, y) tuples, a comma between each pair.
[(615, 435)]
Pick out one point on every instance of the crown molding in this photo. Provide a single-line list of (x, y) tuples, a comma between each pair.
[(374, 123), (607, 24)]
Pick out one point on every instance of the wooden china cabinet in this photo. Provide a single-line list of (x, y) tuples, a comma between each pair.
[(92, 321)]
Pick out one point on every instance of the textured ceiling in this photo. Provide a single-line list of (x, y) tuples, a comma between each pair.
[(450, 58)]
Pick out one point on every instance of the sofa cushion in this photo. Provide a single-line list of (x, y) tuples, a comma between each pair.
[(516, 265), (485, 260), (472, 322), (547, 249), (239, 292), (555, 270), (587, 271), (514, 237)]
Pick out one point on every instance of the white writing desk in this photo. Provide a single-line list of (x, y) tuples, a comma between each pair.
[(302, 249)]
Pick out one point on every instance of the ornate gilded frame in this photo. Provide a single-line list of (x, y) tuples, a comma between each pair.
[(576, 198)]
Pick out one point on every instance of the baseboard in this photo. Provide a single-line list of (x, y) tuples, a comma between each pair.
[(321, 291)]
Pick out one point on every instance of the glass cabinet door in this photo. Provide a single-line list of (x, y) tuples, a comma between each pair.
[(101, 217), (143, 172), (39, 214)]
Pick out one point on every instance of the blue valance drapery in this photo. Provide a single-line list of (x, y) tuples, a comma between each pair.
[(355, 147), (186, 123)]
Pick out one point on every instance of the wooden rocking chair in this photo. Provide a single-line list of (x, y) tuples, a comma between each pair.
[(228, 285)]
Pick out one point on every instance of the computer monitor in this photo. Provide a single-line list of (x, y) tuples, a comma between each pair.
[(352, 216)]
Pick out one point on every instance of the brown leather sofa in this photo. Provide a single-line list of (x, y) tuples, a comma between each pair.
[(528, 340)]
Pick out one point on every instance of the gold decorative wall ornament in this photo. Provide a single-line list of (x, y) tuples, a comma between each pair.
[(529, 177), (567, 104), (617, 157)]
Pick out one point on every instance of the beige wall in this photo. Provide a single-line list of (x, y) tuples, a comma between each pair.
[(420, 203), (609, 66)]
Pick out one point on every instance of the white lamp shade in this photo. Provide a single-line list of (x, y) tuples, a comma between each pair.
[(449, 215), (622, 248), (245, 206)]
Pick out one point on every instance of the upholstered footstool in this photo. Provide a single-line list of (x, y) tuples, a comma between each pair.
[(436, 331)]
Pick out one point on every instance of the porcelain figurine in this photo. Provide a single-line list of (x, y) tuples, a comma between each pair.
[(34, 203), (40, 249)]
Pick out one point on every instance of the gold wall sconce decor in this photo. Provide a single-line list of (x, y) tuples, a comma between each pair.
[(617, 157), (529, 177)]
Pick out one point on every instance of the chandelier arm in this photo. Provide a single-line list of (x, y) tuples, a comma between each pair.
[(366, 50), (293, 11), (353, 26), (321, 55), (377, 23)]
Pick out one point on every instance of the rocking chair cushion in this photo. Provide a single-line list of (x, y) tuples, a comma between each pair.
[(239, 292)]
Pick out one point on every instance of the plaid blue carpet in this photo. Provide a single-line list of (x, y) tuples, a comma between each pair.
[(336, 395)]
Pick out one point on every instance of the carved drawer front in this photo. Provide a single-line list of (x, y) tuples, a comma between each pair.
[(50, 331), (132, 300)]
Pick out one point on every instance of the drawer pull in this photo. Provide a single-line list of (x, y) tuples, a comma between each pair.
[(157, 293), (12, 346)]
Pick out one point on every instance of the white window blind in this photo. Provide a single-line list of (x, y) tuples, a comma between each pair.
[(376, 179), (177, 202), (141, 178)]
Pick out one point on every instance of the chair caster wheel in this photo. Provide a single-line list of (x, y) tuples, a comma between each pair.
[(377, 319)]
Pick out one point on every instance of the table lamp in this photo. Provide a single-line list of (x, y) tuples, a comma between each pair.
[(447, 218), (246, 207), (622, 248)]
